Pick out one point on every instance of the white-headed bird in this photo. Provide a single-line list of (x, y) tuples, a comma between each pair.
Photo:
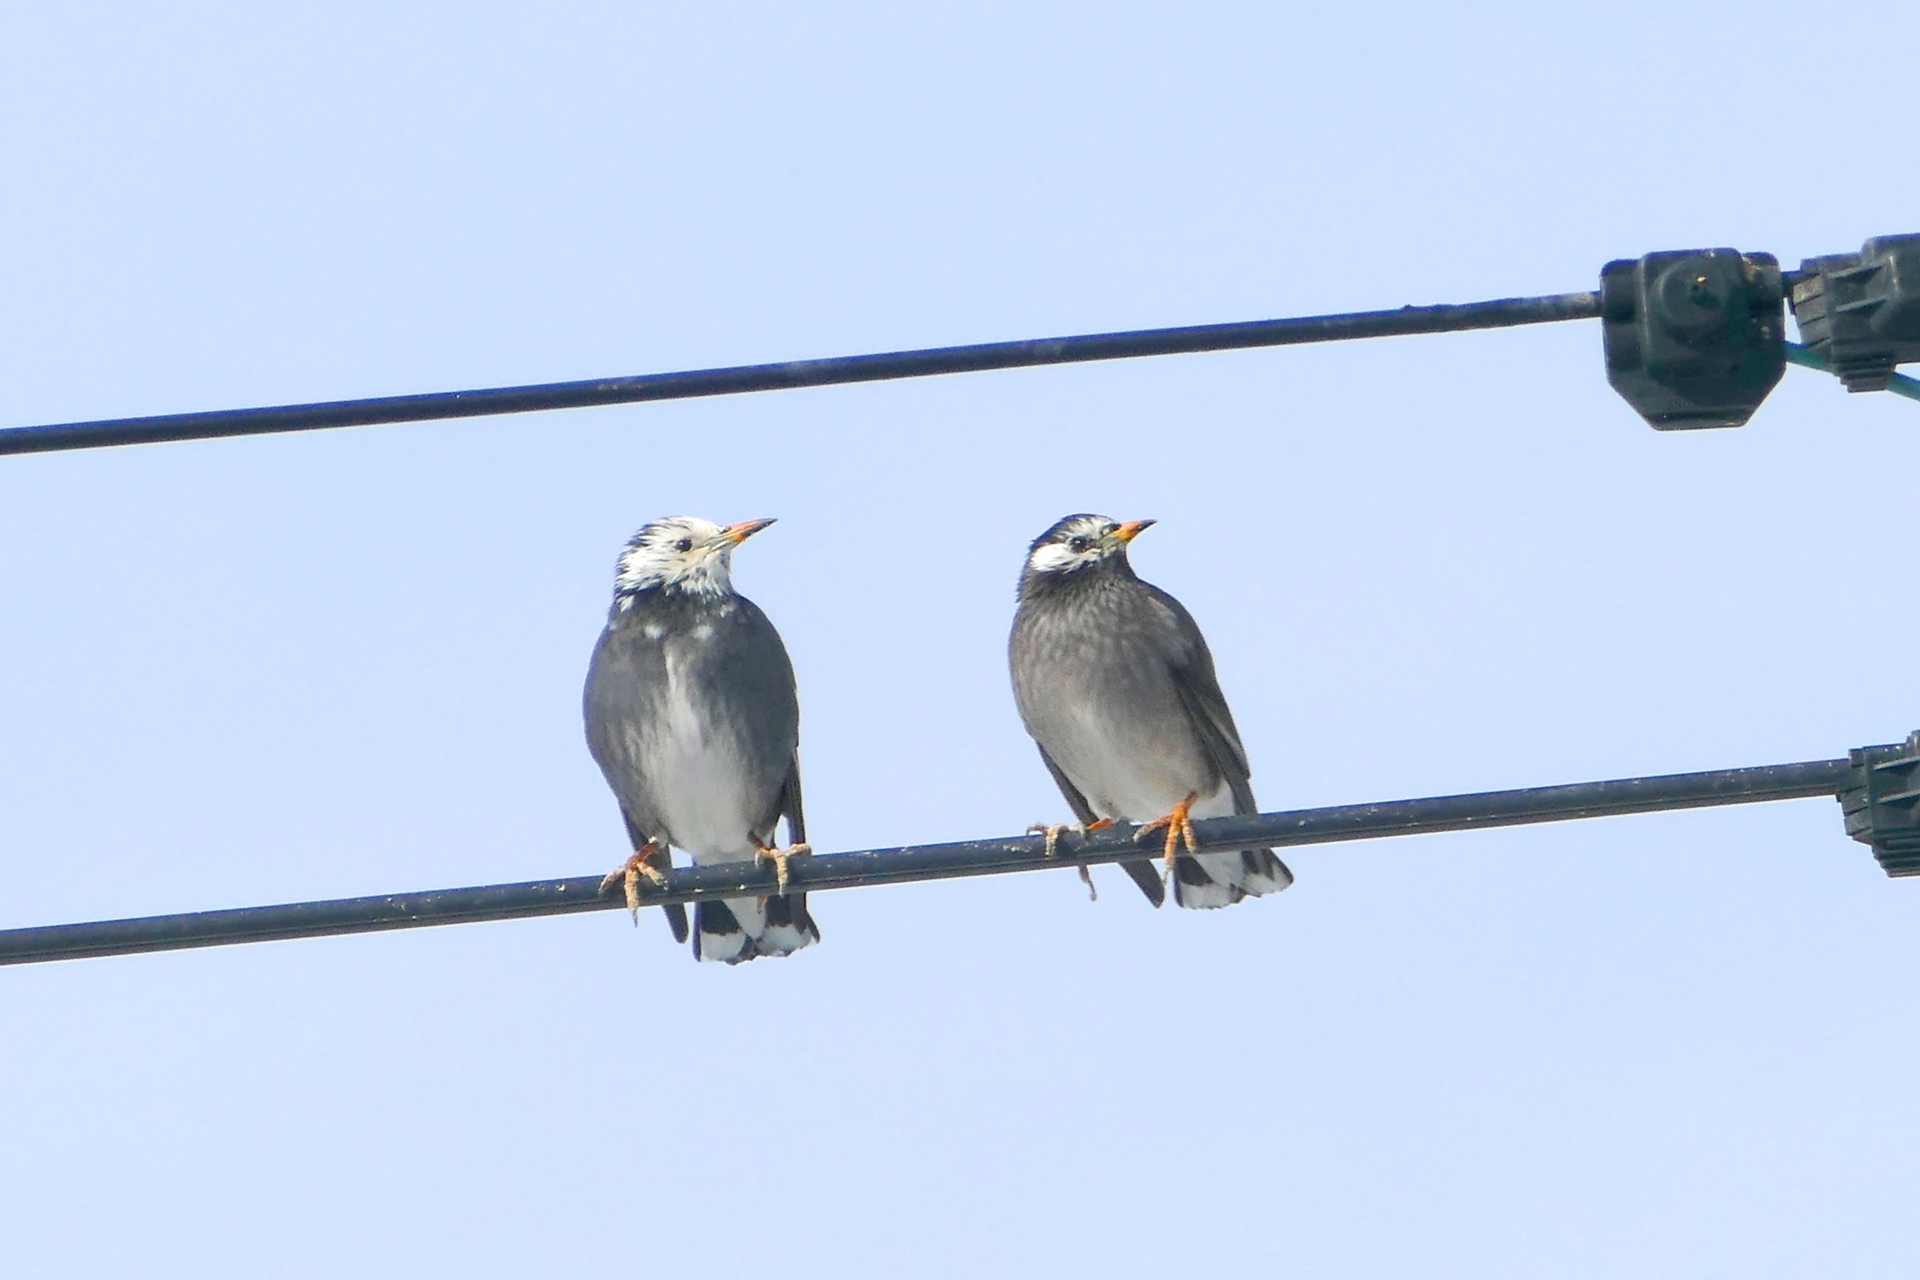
[(693, 717)]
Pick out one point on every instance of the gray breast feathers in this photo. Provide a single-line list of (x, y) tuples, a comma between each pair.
[(692, 715), (1114, 682)]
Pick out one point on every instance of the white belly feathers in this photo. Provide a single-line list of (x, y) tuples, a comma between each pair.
[(700, 776), (1133, 777)]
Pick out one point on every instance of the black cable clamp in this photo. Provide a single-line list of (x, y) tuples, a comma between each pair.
[(1694, 338), (1881, 800), (1862, 310)]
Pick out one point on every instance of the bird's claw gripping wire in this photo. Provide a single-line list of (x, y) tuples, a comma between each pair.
[(779, 858), (642, 863), (1179, 830), (1053, 831)]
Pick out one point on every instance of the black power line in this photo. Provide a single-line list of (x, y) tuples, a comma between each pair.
[(1500, 314), (974, 858)]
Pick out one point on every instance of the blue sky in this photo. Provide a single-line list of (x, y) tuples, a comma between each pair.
[(349, 662)]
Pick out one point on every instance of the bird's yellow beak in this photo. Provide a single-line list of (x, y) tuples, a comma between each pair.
[(735, 534), (1130, 530)]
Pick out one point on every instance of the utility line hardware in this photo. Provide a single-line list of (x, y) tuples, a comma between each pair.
[(1881, 801), (1862, 310), (1695, 338)]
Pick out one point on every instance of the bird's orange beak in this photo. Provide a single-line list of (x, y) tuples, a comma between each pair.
[(739, 533), (1132, 529)]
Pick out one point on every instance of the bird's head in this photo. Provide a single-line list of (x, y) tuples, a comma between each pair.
[(681, 553), (1080, 543)]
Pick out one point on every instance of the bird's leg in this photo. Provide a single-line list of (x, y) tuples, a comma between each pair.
[(779, 858), (1179, 829), (644, 862), (1053, 830)]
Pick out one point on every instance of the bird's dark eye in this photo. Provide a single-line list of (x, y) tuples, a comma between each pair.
[(1077, 543), (685, 544)]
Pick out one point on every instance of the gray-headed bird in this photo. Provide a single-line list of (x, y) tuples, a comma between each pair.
[(693, 717), (1115, 683)]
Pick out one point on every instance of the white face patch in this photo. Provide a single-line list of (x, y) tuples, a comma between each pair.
[(1077, 544), (687, 552)]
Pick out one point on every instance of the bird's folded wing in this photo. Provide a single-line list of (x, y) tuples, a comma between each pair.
[(1082, 811), (790, 804), (1199, 689)]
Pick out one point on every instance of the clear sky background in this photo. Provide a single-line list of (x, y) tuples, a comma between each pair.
[(277, 669)]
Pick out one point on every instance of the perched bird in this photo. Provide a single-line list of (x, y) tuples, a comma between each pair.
[(1115, 683), (692, 716)]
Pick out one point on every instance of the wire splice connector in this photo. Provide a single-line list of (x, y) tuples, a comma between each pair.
[(1862, 310), (1881, 802), (1694, 338)]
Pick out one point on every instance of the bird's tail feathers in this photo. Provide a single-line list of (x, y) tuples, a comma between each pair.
[(739, 929), (1221, 879), (719, 934), (1145, 872)]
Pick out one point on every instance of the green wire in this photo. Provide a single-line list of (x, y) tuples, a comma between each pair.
[(1900, 384)]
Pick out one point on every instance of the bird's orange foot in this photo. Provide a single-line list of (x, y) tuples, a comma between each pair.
[(1053, 831), (779, 858), (646, 862), (1179, 829)]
